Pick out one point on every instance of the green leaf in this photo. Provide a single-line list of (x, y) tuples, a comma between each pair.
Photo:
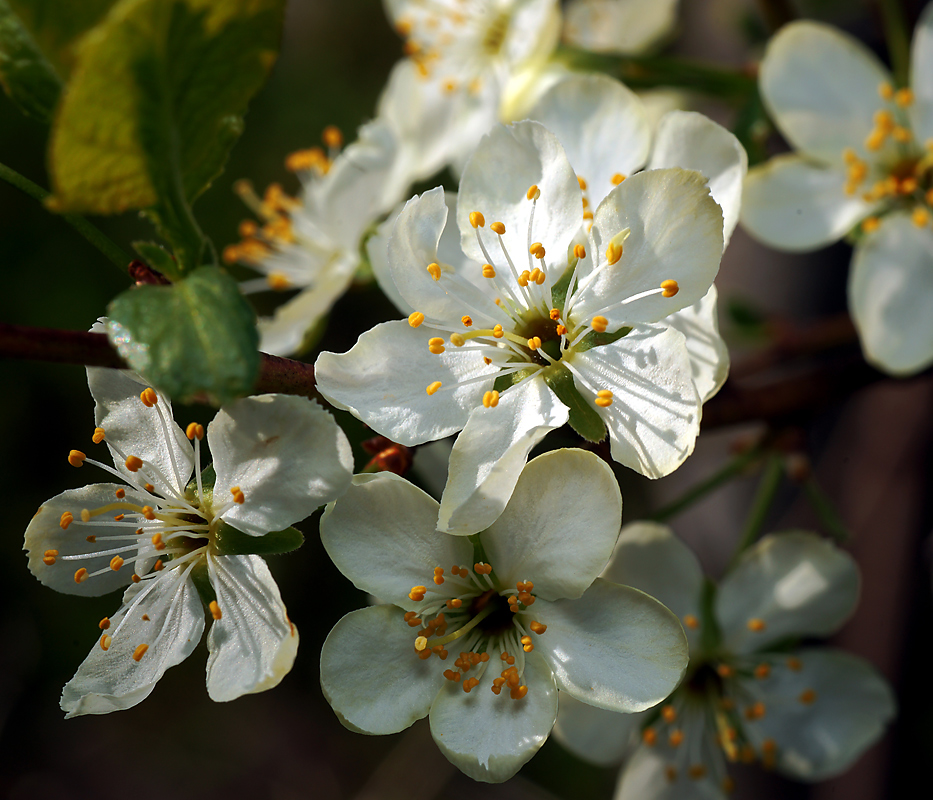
[(584, 419), (229, 541), (27, 76), (195, 337), (158, 258)]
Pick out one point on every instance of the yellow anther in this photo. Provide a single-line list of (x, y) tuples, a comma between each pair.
[(133, 463), (439, 579), (554, 314), (901, 134), (807, 697), (870, 224), (238, 496), (617, 178), (192, 430), (669, 288), (489, 271), (534, 343), (98, 436), (421, 643), (105, 641), (104, 623), (145, 618), (603, 398), (850, 156), (582, 183), (613, 253), (115, 563), (48, 558), (491, 399), (535, 247), (451, 675), (120, 493), (538, 275), (497, 227), (537, 627), (599, 324), (90, 539), (875, 139), (299, 161), (884, 120), (433, 387), (469, 684), (587, 215), (676, 738), (81, 575), (454, 602), (415, 318), (466, 320), (332, 136), (457, 340), (477, 220), (518, 692), (725, 671), (436, 345), (533, 192), (497, 332), (794, 664), (524, 278), (904, 97), (886, 90), (756, 711), (149, 488), (450, 86), (278, 281), (907, 186), (579, 251), (756, 625), (148, 512), (135, 578), (417, 593), (140, 651), (66, 520), (691, 621), (762, 671), (561, 330), (434, 269), (920, 217), (697, 771), (157, 541), (649, 736), (669, 713), (149, 397), (215, 609), (76, 458), (85, 515)]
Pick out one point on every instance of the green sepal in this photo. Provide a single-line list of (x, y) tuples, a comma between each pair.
[(25, 73), (228, 541), (584, 419), (559, 289), (158, 258), (208, 479), (202, 583), (710, 632), (596, 339)]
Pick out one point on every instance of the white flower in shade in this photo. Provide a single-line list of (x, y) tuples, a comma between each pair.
[(619, 26), (749, 694), (538, 322), (180, 541), (312, 244), (864, 156), (482, 646)]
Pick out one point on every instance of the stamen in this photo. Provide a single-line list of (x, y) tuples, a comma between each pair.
[(477, 220), (194, 430), (870, 224), (691, 621), (415, 319), (533, 192), (599, 324), (676, 738), (134, 463), (537, 627), (762, 671), (579, 251), (491, 399), (489, 271), (81, 575), (98, 436), (904, 97), (582, 183), (215, 610), (140, 651), (120, 493), (105, 641), (433, 387), (756, 625), (457, 340), (497, 227), (435, 270), (49, 557), (104, 623), (920, 217), (66, 520), (617, 178), (603, 398), (649, 736), (886, 90), (332, 136), (807, 697), (76, 458), (436, 345), (669, 287), (115, 563), (149, 397)]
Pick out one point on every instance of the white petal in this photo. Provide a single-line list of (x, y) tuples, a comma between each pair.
[(371, 674), (822, 738), (796, 583), (709, 356), (488, 736), (601, 124), (45, 533), (627, 27), (676, 234), (594, 734), (495, 181), (692, 141), (654, 418), (287, 455), (794, 204), (891, 296), (382, 380), (615, 647), (490, 452), (645, 777), (382, 534), (148, 433), (377, 247), (253, 644), (163, 612), (560, 526), (921, 68), (821, 88)]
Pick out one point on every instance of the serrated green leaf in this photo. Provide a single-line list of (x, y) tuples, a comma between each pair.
[(25, 73), (158, 258), (229, 541), (155, 103), (583, 417), (197, 336)]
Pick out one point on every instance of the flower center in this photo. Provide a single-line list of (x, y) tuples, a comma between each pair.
[(495, 34)]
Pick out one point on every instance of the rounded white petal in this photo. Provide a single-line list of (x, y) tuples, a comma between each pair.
[(371, 674), (382, 380), (382, 534), (488, 736), (821, 738), (796, 583), (615, 647), (654, 418), (601, 124), (627, 27), (253, 644), (891, 296), (147, 433), (693, 141), (508, 161), (44, 533), (490, 452), (560, 526), (921, 68), (163, 612), (793, 204), (286, 454), (709, 356), (675, 234), (821, 88), (645, 777), (594, 734)]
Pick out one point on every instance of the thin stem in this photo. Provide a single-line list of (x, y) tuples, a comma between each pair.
[(764, 498), (696, 493), (827, 513), (895, 33), (93, 234)]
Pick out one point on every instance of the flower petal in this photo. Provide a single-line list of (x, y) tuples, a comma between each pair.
[(615, 647), (382, 380), (45, 534), (495, 181), (921, 67), (645, 776), (163, 612), (488, 736), (709, 356), (286, 454), (371, 675), (795, 583), (821, 88), (793, 204), (601, 125), (490, 452), (693, 141), (891, 296), (382, 534), (654, 418), (845, 708), (148, 433), (594, 734), (627, 27), (560, 526), (676, 234)]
